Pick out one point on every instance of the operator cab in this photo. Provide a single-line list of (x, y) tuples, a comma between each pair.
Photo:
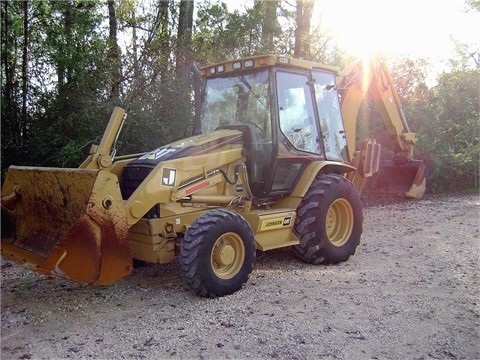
[(288, 111)]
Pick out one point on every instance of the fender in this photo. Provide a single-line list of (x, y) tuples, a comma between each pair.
[(306, 179)]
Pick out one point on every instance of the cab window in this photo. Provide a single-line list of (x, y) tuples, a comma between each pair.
[(295, 111), (330, 116)]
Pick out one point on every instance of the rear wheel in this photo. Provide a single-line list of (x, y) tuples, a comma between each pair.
[(217, 253), (329, 221)]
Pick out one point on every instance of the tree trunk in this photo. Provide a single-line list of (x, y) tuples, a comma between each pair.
[(24, 69), (7, 88), (11, 134), (64, 70), (114, 50), (162, 43), (136, 71), (302, 31), (164, 39), (184, 38), (269, 26), (184, 62)]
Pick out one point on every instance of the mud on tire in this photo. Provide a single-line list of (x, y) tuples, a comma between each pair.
[(329, 221)]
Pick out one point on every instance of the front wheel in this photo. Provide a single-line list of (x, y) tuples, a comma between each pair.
[(329, 221), (217, 253)]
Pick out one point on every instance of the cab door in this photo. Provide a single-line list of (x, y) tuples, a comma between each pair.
[(330, 116), (298, 133)]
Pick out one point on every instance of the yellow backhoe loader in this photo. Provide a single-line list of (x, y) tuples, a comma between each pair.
[(265, 168)]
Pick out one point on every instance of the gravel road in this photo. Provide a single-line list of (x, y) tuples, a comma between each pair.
[(410, 292)]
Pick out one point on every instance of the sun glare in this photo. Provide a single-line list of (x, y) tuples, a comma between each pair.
[(395, 27), (366, 28)]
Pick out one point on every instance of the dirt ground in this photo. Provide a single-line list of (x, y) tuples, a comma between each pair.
[(410, 292)]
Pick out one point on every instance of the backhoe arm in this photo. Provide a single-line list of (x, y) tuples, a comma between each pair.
[(373, 82)]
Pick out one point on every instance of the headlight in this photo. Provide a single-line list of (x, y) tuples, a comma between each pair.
[(248, 63)]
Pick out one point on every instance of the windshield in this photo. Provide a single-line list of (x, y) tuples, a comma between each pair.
[(235, 100)]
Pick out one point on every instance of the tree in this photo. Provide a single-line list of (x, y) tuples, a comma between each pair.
[(184, 40), (302, 31), (465, 57), (25, 68), (13, 143), (220, 34), (164, 38), (456, 138), (55, 76), (445, 119), (269, 25), (114, 50)]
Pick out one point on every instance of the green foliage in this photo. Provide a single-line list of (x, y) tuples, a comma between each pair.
[(155, 119), (445, 119), (68, 83), (466, 56), (456, 138), (220, 34)]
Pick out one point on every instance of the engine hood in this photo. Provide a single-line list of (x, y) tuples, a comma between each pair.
[(195, 145), (137, 170)]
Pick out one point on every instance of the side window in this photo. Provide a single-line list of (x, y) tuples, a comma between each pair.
[(330, 116), (295, 111)]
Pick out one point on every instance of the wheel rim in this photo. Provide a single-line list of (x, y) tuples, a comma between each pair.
[(339, 223), (228, 255)]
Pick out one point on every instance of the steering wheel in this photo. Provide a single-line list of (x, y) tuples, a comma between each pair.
[(262, 132)]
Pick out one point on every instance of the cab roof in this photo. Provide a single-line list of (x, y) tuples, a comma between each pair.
[(261, 61)]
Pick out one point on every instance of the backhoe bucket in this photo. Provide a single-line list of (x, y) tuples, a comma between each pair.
[(67, 222), (401, 180)]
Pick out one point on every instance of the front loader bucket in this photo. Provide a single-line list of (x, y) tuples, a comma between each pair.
[(401, 180), (67, 222)]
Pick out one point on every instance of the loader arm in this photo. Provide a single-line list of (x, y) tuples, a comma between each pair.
[(373, 82), (101, 156)]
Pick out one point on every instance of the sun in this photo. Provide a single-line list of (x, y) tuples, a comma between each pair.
[(363, 28), (389, 28)]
